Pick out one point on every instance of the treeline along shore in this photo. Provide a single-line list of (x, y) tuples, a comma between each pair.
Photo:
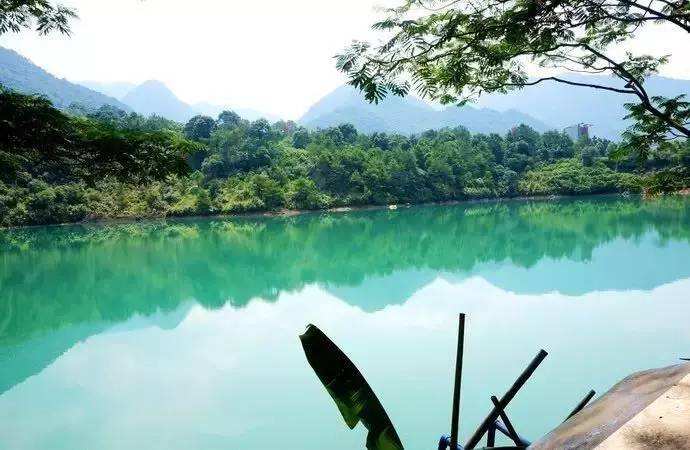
[(81, 165)]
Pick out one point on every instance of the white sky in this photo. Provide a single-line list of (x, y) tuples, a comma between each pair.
[(271, 55)]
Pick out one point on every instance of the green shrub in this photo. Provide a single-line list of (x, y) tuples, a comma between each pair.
[(571, 177), (303, 194), (251, 193), (671, 180)]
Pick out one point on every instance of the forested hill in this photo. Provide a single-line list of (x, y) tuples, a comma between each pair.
[(21, 75), (562, 105), (409, 115), (154, 97), (110, 164)]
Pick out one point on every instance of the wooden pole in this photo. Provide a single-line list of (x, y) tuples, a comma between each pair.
[(455, 415)]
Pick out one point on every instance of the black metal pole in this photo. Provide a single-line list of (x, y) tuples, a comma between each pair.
[(500, 427), (455, 415), (580, 406), (491, 436), (511, 433), (517, 385)]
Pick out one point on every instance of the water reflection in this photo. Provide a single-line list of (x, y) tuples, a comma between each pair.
[(230, 377), (50, 277), (183, 334)]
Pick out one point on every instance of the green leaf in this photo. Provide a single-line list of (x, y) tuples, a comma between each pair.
[(352, 394)]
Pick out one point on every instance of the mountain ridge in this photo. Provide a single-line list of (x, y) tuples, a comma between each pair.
[(154, 97), (544, 107), (116, 89), (408, 115), (20, 74), (604, 110)]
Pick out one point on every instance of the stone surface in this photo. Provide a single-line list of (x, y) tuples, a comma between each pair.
[(649, 409)]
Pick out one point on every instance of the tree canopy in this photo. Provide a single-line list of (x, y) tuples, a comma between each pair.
[(457, 50), (108, 163), (43, 15)]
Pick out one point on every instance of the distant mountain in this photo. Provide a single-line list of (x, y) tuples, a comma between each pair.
[(212, 110), (21, 75), (116, 89), (564, 105), (408, 115), (154, 97)]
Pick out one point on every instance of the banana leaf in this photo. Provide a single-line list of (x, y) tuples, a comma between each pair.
[(353, 396)]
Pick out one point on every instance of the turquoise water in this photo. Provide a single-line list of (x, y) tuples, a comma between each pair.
[(184, 334)]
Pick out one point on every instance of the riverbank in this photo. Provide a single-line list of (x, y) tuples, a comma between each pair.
[(111, 211), (285, 212)]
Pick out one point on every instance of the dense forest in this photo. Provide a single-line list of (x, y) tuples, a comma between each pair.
[(107, 163)]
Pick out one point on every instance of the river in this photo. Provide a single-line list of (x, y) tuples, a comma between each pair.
[(183, 334)]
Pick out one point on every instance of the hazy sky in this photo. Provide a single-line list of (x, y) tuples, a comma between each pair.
[(271, 55)]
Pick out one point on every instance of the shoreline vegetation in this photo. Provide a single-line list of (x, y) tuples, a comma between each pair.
[(106, 164), (287, 213)]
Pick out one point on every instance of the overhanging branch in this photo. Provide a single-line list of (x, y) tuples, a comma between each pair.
[(573, 83)]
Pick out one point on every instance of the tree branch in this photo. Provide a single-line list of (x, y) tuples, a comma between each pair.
[(573, 83)]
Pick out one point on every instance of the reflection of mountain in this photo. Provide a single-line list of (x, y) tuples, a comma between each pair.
[(60, 277), (375, 293), (615, 266), (226, 379), (32, 356)]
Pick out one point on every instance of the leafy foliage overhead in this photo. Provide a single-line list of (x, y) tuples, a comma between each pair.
[(43, 15), (456, 50)]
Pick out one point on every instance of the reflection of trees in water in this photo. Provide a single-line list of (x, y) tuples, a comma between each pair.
[(53, 277)]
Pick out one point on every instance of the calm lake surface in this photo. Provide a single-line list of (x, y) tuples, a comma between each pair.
[(184, 334)]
